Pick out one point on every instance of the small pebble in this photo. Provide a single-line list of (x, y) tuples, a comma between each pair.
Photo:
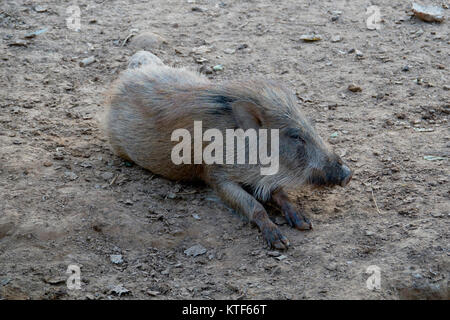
[(354, 88), (196, 250), (116, 258), (87, 61)]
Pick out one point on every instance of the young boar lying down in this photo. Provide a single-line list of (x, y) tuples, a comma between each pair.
[(150, 101)]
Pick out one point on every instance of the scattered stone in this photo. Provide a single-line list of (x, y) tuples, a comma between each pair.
[(58, 155), (48, 164), (200, 60), (428, 13), (405, 68), (369, 233), (196, 216), (336, 38), (274, 254), (198, 9), (141, 58), (310, 37), (55, 280), (153, 293), (354, 88), (201, 50), (218, 67), (433, 158), (446, 87), (437, 215), (359, 54), (196, 250), (171, 195), (18, 43), (119, 290), (334, 135), (87, 61), (35, 33), (40, 9), (206, 70), (148, 41), (70, 175), (128, 202), (116, 258), (331, 267), (335, 15), (424, 129), (281, 258), (242, 46), (107, 176), (86, 164), (229, 51)]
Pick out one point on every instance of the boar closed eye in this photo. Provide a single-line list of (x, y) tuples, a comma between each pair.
[(296, 136)]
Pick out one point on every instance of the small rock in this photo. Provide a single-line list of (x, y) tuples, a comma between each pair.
[(18, 43), (40, 9), (336, 38), (141, 58), (153, 293), (359, 54), (116, 258), (281, 258), (242, 46), (171, 195), (35, 33), (206, 70), (369, 233), (446, 87), (331, 267), (87, 61), (229, 51), (201, 50), (107, 176), (354, 88), (58, 155), (310, 37), (274, 254), (48, 164), (196, 216), (196, 250), (218, 67), (70, 175), (119, 290), (405, 68), (147, 41), (198, 9), (428, 13)]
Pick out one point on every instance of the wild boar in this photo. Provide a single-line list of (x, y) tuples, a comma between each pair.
[(151, 100)]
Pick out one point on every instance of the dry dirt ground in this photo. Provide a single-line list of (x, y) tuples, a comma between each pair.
[(66, 199)]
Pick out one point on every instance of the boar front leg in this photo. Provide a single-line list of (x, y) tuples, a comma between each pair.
[(293, 217), (236, 197)]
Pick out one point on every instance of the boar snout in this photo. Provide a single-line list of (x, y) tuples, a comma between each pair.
[(346, 175), (333, 173)]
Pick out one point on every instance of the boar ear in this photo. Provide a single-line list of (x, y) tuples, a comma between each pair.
[(247, 115)]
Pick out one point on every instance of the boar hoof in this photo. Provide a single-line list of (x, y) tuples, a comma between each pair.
[(275, 238), (298, 221)]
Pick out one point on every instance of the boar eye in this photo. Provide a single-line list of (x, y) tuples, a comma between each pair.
[(297, 137)]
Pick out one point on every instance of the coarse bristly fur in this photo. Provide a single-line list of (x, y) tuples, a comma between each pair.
[(146, 104)]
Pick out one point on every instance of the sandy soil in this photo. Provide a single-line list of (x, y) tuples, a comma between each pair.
[(66, 199)]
